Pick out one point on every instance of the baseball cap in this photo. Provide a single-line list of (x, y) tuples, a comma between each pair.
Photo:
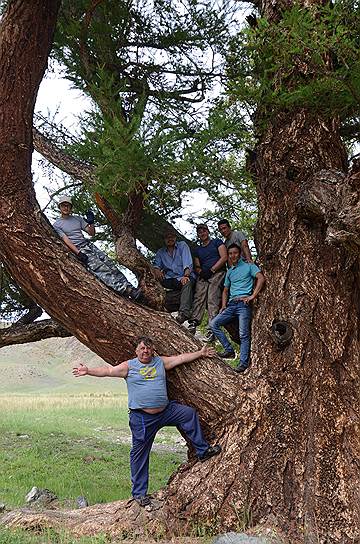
[(202, 226), (64, 199)]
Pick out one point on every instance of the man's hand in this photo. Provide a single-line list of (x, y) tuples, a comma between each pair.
[(90, 217), (184, 280), (81, 370), (222, 309), (207, 351), (248, 299), (83, 258), (159, 274), (206, 274)]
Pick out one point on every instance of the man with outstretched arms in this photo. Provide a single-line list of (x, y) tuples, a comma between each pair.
[(150, 408), (243, 283), (69, 227)]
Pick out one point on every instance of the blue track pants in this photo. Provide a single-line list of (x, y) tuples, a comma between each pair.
[(144, 428)]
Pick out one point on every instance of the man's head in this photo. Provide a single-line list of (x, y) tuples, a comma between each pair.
[(169, 238), (202, 231), (144, 349), (224, 227), (65, 205), (234, 252)]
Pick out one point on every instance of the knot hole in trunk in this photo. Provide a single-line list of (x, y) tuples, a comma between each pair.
[(282, 333)]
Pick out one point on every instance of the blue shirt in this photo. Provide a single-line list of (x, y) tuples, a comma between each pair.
[(174, 265), (146, 384), (240, 279), (209, 255)]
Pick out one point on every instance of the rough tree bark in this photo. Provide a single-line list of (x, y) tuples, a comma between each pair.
[(290, 427), (32, 332)]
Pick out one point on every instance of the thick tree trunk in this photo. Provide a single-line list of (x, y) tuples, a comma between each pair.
[(309, 428), (289, 426)]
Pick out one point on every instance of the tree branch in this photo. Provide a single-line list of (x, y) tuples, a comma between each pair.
[(152, 225), (32, 332)]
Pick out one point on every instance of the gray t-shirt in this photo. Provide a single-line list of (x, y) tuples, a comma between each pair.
[(236, 238), (71, 226)]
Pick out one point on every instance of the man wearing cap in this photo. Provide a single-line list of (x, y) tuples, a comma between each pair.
[(69, 227), (235, 237), (150, 408), (210, 258), (173, 267)]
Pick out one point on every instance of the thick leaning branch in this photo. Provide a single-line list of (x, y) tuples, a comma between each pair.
[(33, 332), (40, 263), (333, 198)]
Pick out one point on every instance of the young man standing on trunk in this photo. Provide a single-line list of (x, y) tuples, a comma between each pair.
[(238, 293), (150, 408)]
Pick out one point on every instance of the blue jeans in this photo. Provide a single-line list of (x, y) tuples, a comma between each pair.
[(144, 428), (243, 312)]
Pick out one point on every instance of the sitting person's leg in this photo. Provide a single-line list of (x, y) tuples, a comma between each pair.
[(171, 283), (186, 301), (106, 271)]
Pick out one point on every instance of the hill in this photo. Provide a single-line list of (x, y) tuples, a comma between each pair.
[(46, 367)]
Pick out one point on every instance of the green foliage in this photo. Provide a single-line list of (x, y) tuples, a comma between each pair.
[(13, 301), (148, 69), (310, 58)]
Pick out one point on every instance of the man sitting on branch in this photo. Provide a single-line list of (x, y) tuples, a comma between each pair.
[(69, 227), (173, 267)]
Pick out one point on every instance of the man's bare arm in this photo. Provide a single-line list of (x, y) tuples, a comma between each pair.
[(70, 245), (222, 260), (246, 251), (260, 281), (224, 298), (176, 360), (118, 371)]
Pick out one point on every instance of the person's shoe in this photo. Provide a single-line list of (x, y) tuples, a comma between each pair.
[(181, 318), (143, 501), (209, 336), (135, 293), (192, 326), (210, 452), (227, 354), (240, 368)]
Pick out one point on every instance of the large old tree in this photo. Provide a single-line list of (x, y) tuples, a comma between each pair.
[(290, 426)]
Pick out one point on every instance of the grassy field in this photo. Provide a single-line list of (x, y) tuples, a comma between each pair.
[(74, 445)]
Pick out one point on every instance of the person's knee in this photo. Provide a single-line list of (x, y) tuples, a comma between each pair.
[(187, 412), (213, 324), (244, 332)]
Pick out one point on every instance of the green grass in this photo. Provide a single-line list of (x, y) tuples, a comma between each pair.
[(8, 536), (73, 445)]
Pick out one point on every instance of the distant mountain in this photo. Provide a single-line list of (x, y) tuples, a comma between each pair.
[(46, 367)]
